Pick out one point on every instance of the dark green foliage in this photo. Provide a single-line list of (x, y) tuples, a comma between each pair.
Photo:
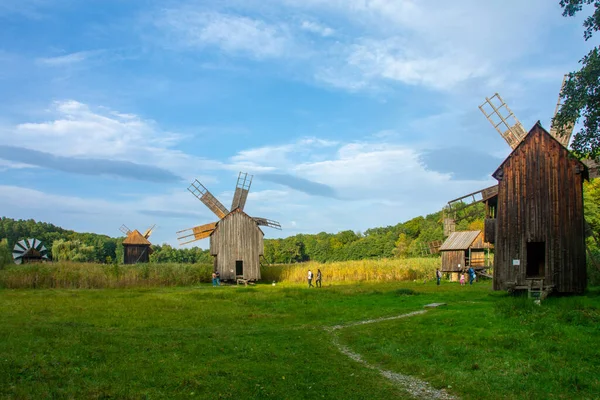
[(406, 239), (581, 93)]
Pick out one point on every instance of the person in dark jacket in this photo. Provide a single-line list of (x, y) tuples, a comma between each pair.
[(319, 277)]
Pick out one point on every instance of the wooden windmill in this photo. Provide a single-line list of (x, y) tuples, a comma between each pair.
[(535, 220), (512, 131), (236, 240), (136, 246)]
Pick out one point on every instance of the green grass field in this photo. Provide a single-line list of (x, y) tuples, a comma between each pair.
[(270, 342)]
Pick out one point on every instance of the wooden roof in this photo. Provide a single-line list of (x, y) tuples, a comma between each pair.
[(538, 128), (237, 210), (460, 240), (136, 238)]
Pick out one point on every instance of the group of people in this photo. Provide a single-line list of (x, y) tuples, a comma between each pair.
[(317, 281), (470, 272)]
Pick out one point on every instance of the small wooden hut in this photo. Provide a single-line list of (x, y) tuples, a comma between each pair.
[(237, 244), (136, 248), (538, 229), (463, 250)]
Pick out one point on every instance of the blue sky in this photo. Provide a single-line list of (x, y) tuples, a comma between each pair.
[(350, 114)]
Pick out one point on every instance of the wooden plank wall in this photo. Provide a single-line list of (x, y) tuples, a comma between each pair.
[(132, 253), (540, 199), (237, 237), (451, 259)]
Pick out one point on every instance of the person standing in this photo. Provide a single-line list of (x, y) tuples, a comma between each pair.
[(471, 273), (438, 275), (462, 279), (319, 277), (310, 277), (218, 277), (214, 279)]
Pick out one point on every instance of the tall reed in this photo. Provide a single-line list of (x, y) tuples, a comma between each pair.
[(407, 269), (72, 275)]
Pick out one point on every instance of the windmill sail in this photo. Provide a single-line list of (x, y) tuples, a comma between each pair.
[(197, 233), (241, 191), (202, 193), (149, 231), (29, 249), (503, 120), (267, 222), (562, 134), (126, 231)]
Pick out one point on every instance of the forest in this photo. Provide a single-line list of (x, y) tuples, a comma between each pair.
[(405, 239)]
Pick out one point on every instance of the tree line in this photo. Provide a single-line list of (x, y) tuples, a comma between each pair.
[(405, 239)]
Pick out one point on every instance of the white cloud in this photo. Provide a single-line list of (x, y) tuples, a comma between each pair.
[(75, 129), (317, 28), (232, 34), (271, 158)]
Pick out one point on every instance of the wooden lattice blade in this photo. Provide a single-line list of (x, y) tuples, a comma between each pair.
[(241, 191), (267, 222), (206, 197), (197, 233), (567, 130), (503, 120)]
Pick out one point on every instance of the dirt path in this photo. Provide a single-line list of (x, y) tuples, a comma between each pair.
[(417, 388)]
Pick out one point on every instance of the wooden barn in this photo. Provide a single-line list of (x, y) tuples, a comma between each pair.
[(536, 222), (243, 259), (462, 250), (136, 248)]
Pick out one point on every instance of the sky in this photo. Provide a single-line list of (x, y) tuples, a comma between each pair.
[(348, 114)]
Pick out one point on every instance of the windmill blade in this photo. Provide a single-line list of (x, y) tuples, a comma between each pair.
[(202, 193), (504, 121), (126, 231), (197, 233), (30, 249), (149, 231), (241, 191), (566, 130), (267, 222), (472, 198)]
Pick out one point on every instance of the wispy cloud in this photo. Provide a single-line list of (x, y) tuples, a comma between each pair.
[(69, 59), (88, 166), (232, 34)]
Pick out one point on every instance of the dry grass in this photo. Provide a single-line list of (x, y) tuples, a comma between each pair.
[(71, 275), (383, 270)]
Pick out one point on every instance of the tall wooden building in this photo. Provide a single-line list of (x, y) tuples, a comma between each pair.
[(236, 240), (241, 260), (136, 248), (538, 229)]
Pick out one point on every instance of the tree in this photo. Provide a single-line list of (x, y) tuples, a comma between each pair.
[(5, 254), (581, 94)]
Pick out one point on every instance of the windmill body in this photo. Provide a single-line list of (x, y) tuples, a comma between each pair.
[(136, 246), (237, 245), (29, 250), (535, 219), (534, 216), (236, 240), (539, 228)]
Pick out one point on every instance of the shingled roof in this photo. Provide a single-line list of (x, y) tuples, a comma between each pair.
[(136, 238), (460, 240)]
